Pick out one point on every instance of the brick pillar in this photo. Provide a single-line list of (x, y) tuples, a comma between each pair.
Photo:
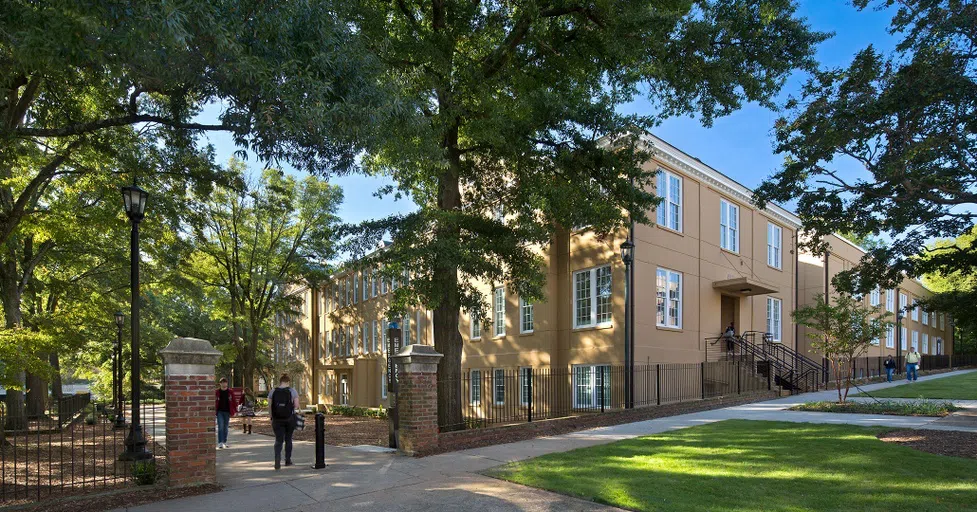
[(417, 399), (190, 442)]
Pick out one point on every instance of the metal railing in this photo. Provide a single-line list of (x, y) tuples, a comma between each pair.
[(786, 367), (498, 396)]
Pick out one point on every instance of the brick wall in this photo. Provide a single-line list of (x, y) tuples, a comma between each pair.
[(418, 405), (190, 434)]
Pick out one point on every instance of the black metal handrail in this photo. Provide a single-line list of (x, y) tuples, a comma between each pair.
[(789, 369)]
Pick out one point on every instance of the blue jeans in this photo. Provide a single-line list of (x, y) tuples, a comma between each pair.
[(223, 418), (911, 372), (888, 374)]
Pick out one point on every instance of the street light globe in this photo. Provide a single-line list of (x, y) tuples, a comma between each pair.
[(627, 252), (120, 318), (134, 200)]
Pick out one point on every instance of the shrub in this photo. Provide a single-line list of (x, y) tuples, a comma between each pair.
[(891, 407), (144, 472), (360, 412), (91, 418)]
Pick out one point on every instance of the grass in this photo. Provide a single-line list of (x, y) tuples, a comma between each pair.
[(741, 465), (959, 387), (914, 408)]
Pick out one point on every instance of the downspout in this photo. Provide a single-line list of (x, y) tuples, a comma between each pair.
[(796, 291)]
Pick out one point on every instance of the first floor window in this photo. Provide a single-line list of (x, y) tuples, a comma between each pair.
[(592, 297), (587, 381), (499, 386), (926, 344), (524, 383), (774, 309), (475, 391), (915, 340), (669, 298), (525, 316)]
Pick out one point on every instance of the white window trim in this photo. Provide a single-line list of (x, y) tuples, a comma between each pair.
[(875, 297), (592, 276), (776, 317), (595, 402), (890, 301), (523, 385), (664, 208), (472, 387), (915, 310), (522, 311), (724, 241), (495, 384), (915, 344), (498, 317), (775, 238), (905, 338), (681, 292), (890, 337)]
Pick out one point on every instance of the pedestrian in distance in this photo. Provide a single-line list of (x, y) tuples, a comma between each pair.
[(890, 368), (912, 363), (729, 336), (246, 410), (282, 404), (225, 406)]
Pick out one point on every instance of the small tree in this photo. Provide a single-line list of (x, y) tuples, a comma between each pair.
[(843, 329)]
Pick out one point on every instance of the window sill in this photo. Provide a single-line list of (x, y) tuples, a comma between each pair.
[(723, 249), (527, 333), (669, 230), (667, 328), (780, 269), (593, 327)]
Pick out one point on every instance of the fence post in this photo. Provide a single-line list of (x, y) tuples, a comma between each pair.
[(600, 386), (769, 379), (529, 389), (658, 383), (702, 379), (738, 378)]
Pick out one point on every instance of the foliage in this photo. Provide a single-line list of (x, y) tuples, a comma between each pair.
[(956, 291), (842, 329), (514, 132), (911, 408), (144, 472), (743, 465), (907, 121), (361, 412)]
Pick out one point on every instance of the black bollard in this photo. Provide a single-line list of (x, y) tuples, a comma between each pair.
[(320, 441)]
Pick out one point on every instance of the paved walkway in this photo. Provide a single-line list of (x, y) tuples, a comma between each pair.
[(365, 478)]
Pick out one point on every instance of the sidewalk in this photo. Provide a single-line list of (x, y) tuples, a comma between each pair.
[(363, 477)]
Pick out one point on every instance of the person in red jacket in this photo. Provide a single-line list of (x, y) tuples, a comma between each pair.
[(224, 403)]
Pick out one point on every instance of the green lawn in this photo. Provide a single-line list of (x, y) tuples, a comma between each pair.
[(960, 387), (740, 465)]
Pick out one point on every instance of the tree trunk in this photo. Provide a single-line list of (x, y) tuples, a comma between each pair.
[(248, 359), (10, 295), (448, 341), (57, 393), (37, 389)]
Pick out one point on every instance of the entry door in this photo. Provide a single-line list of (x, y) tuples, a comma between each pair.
[(343, 390), (728, 313)]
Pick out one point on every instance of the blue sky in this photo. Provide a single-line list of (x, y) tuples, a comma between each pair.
[(739, 145)]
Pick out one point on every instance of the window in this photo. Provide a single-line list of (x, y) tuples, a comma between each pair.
[(476, 326), (376, 336), (670, 209), (905, 338), (475, 387), (774, 237), (383, 286), (586, 386), (499, 386), (356, 287), (915, 312), (524, 383), (367, 335), (926, 317), (669, 298), (890, 301), (903, 302), (729, 221), (774, 309), (356, 339), (890, 337), (383, 335), (875, 297), (926, 344), (525, 316), (498, 311), (406, 329), (373, 283), (592, 297), (942, 321), (383, 382), (915, 340)]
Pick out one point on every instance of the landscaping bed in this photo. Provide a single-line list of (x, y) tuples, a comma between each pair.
[(901, 408), (953, 443), (340, 430), (750, 466), (958, 387)]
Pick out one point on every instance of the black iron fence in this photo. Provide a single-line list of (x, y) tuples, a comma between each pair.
[(868, 367), (496, 396), (73, 448)]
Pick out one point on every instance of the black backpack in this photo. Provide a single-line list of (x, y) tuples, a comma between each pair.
[(281, 404)]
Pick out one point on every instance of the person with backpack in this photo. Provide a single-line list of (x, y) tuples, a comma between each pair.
[(912, 364), (283, 402), (890, 368), (225, 406)]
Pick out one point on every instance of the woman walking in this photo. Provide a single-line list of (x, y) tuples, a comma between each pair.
[(282, 404), (246, 410)]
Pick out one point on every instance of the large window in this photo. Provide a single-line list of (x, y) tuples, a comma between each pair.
[(926, 344), (356, 340), (383, 335), (890, 301), (525, 316), (729, 226), (915, 313), (475, 387), (890, 337), (774, 311), (903, 302), (670, 209), (406, 330), (926, 317), (915, 340), (905, 338), (498, 386), (592, 297), (476, 326), (524, 382), (669, 298), (875, 297), (376, 336), (774, 239), (498, 311), (587, 385)]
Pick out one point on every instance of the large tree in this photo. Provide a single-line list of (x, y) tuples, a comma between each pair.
[(515, 110), (906, 121), (956, 290)]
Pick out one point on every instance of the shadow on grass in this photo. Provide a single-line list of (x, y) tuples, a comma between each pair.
[(741, 465)]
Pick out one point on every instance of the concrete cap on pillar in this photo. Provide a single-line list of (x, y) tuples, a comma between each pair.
[(418, 359), (190, 356)]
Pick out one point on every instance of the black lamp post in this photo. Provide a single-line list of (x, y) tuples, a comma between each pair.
[(627, 254), (899, 364), (134, 199), (120, 419)]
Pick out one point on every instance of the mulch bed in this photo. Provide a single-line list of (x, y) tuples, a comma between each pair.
[(109, 501), (952, 443), (340, 430)]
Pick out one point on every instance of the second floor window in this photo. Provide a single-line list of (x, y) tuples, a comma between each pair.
[(670, 209), (875, 297), (890, 301), (890, 337), (915, 312), (476, 327), (926, 317), (774, 236), (729, 226), (592, 297), (669, 298), (498, 309), (525, 316)]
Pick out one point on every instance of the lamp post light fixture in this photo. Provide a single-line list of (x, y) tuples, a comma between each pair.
[(134, 200), (627, 254), (120, 419)]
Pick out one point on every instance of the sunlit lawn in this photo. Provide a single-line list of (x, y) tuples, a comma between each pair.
[(960, 387), (740, 465)]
